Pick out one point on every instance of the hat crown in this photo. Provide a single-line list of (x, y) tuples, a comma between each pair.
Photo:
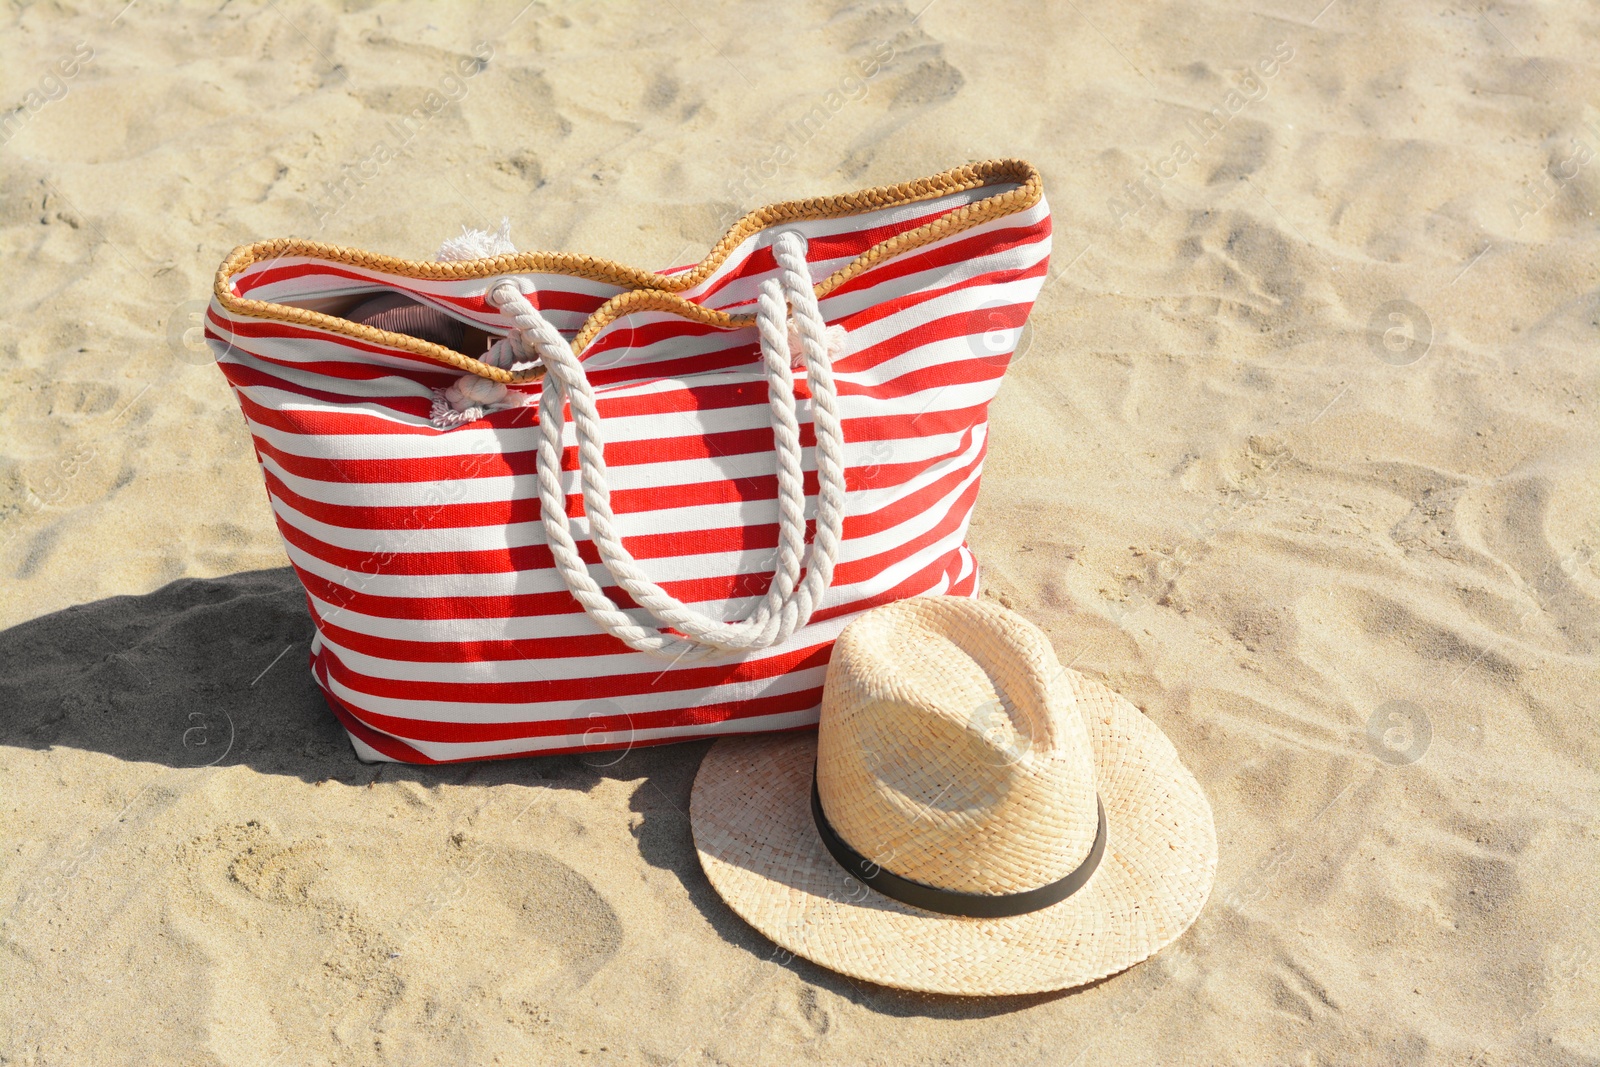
[(951, 750)]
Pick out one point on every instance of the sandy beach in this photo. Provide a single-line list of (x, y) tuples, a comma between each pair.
[(1300, 453)]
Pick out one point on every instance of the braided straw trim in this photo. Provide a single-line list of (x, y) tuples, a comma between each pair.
[(648, 291)]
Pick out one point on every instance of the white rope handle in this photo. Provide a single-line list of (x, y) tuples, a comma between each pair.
[(790, 599)]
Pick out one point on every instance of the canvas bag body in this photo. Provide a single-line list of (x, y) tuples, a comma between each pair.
[(442, 630)]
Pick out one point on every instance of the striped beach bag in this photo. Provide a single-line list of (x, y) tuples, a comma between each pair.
[(542, 502)]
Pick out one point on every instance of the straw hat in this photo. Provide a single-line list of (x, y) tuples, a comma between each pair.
[(970, 817)]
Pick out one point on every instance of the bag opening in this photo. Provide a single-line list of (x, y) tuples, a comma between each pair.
[(398, 313), (253, 280)]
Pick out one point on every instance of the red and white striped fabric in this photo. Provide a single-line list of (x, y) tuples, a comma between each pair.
[(444, 633)]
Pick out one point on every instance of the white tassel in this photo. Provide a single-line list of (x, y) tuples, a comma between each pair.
[(477, 244), (469, 398)]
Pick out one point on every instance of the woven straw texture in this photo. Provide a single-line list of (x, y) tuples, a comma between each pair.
[(759, 847), (947, 721)]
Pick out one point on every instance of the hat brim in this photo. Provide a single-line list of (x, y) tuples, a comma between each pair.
[(751, 817)]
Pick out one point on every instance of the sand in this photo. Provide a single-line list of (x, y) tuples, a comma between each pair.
[(1301, 456)]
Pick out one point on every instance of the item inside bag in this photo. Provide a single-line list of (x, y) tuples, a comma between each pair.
[(400, 314)]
